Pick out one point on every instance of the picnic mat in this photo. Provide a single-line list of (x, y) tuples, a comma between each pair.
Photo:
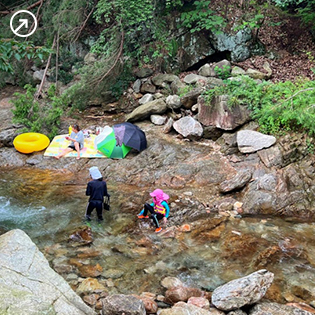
[(59, 143)]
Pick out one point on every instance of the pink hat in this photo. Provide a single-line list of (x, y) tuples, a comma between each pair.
[(159, 194)]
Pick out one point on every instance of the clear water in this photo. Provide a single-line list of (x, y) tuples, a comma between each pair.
[(48, 206)]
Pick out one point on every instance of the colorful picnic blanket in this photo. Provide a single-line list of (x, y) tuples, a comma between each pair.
[(59, 143)]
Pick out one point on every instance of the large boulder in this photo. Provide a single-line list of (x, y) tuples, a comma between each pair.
[(29, 285), (146, 110), (244, 291), (220, 114), (188, 127), (249, 141)]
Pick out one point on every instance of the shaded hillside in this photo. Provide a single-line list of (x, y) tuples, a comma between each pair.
[(290, 51)]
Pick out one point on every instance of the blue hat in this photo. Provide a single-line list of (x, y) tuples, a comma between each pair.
[(95, 173)]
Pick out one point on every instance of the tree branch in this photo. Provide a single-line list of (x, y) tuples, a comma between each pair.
[(117, 58), (84, 23), (28, 8), (39, 91)]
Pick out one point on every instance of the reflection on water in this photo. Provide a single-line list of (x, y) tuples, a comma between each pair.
[(48, 206)]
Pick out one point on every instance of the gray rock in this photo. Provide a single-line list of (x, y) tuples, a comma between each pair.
[(144, 72), (137, 85), (255, 74), (148, 87), (169, 282), (237, 312), (194, 78), (238, 44), (237, 71), (119, 304), (249, 141), (191, 97), (271, 156), (146, 98), (259, 202), (9, 156), (266, 308), (144, 111), (6, 137), (161, 80), (158, 120), (28, 284), (38, 75), (182, 308), (169, 125), (173, 101), (188, 127), (243, 291), (206, 71), (237, 182)]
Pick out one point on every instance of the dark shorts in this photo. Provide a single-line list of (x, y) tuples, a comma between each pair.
[(72, 147)]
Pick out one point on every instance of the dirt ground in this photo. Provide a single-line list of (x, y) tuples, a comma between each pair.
[(290, 50)]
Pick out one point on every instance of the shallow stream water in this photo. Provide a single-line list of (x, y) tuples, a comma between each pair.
[(48, 206)]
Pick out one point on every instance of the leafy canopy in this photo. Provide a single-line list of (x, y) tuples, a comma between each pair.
[(12, 50)]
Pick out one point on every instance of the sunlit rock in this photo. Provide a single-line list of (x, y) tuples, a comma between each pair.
[(244, 291), (29, 285)]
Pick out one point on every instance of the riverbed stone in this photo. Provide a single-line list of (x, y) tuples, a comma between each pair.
[(244, 291), (264, 308), (236, 182), (169, 282), (182, 308), (200, 301), (118, 304), (90, 285), (29, 285), (249, 141)]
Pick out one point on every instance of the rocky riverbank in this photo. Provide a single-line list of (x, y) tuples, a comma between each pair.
[(205, 171), (32, 286)]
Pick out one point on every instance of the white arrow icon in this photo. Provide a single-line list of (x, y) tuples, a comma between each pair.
[(24, 23)]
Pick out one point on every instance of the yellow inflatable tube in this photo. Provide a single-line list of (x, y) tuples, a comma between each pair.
[(30, 142)]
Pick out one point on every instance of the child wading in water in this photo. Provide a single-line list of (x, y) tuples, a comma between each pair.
[(159, 209)]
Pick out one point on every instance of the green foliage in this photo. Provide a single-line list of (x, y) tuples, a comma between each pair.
[(202, 18), (284, 4), (277, 107), (38, 117), (224, 72), (12, 51), (305, 9), (186, 89), (133, 18), (122, 82)]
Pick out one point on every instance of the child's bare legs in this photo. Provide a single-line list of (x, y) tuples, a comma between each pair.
[(63, 153), (77, 147)]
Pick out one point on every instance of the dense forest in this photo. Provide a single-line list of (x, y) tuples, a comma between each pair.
[(124, 35)]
